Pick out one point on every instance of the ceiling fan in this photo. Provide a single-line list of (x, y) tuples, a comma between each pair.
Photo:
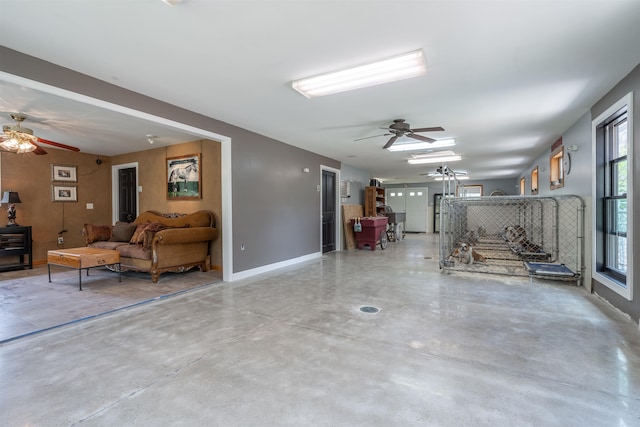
[(18, 139), (400, 128)]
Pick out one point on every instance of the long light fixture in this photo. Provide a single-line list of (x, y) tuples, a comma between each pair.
[(412, 64), (435, 159), (410, 146), (459, 178), (432, 174)]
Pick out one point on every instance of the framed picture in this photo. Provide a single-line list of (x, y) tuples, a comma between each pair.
[(64, 193), (184, 176), (64, 173)]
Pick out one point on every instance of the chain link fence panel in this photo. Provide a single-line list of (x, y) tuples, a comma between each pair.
[(514, 235)]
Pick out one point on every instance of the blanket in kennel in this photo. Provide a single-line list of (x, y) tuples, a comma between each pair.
[(550, 270)]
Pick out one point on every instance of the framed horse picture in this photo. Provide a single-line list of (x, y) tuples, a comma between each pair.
[(184, 176)]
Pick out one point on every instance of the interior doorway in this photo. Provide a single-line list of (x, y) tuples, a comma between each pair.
[(328, 211), (124, 182)]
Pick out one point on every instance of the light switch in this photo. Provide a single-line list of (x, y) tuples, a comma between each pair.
[(140, 189), (89, 205)]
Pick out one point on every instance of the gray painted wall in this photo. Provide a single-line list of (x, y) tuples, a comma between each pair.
[(359, 179), (488, 186), (578, 181), (631, 83), (276, 208)]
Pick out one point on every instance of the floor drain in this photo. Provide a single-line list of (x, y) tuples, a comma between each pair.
[(369, 309)]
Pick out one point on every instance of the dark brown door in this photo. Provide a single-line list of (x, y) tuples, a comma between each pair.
[(328, 211), (127, 205)]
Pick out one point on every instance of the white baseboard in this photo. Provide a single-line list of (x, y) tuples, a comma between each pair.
[(266, 268)]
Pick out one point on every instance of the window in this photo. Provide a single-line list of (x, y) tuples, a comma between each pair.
[(615, 197), (534, 181), (523, 186), (612, 193), (470, 191)]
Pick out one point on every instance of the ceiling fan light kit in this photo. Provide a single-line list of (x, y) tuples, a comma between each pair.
[(18, 139), (408, 65), (17, 143)]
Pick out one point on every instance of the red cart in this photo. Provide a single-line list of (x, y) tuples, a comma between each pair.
[(374, 231)]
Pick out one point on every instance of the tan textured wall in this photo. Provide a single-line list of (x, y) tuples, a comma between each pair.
[(30, 176), (152, 177)]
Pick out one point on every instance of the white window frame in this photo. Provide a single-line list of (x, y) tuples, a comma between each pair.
[(626, 291)]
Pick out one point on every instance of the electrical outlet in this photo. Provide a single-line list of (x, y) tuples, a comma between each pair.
[(60, 240)]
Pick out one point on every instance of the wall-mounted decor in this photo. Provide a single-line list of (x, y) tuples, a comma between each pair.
[(534, 181), (556, 168), (64, 173), (184, 177), (64, 193)]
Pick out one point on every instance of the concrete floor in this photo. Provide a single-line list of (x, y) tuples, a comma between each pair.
[(292, 348)]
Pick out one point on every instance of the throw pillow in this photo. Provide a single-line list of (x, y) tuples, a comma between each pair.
[(97, 233), (122, 232)]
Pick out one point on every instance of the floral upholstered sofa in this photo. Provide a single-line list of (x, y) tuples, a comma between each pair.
[(156, 242)]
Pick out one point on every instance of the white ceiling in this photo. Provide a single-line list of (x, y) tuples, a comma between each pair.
[(506, 78)]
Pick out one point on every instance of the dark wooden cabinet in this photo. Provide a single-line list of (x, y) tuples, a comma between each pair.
[(16, 242)]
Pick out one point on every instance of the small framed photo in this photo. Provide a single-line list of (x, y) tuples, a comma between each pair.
[(64, 173), (64, 193)]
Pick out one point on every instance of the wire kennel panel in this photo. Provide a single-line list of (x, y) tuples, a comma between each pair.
[(509, 231)]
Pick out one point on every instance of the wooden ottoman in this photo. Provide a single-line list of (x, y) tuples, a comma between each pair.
[(83, 258)]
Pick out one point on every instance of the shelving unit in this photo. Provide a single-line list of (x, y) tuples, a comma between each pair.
[(374, 201), (16, 241)]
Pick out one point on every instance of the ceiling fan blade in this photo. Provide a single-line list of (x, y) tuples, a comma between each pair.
[(374, 136), (57, 144), (390, 142), (39, 151), (420, 137), (434, 129)]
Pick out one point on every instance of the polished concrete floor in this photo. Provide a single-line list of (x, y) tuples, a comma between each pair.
[(293, 348)]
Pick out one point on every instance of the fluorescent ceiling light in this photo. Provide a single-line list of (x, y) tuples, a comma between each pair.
[(451, 173), (437, 154), (399, 67), (459, 178), (425, 160), (409, 146)]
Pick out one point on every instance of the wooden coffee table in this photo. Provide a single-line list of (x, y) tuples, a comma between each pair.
[(83, 258)]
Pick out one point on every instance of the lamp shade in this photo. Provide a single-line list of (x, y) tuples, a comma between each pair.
[(10, 197)]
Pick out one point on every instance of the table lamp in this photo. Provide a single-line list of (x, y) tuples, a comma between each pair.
[(11, 197)]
